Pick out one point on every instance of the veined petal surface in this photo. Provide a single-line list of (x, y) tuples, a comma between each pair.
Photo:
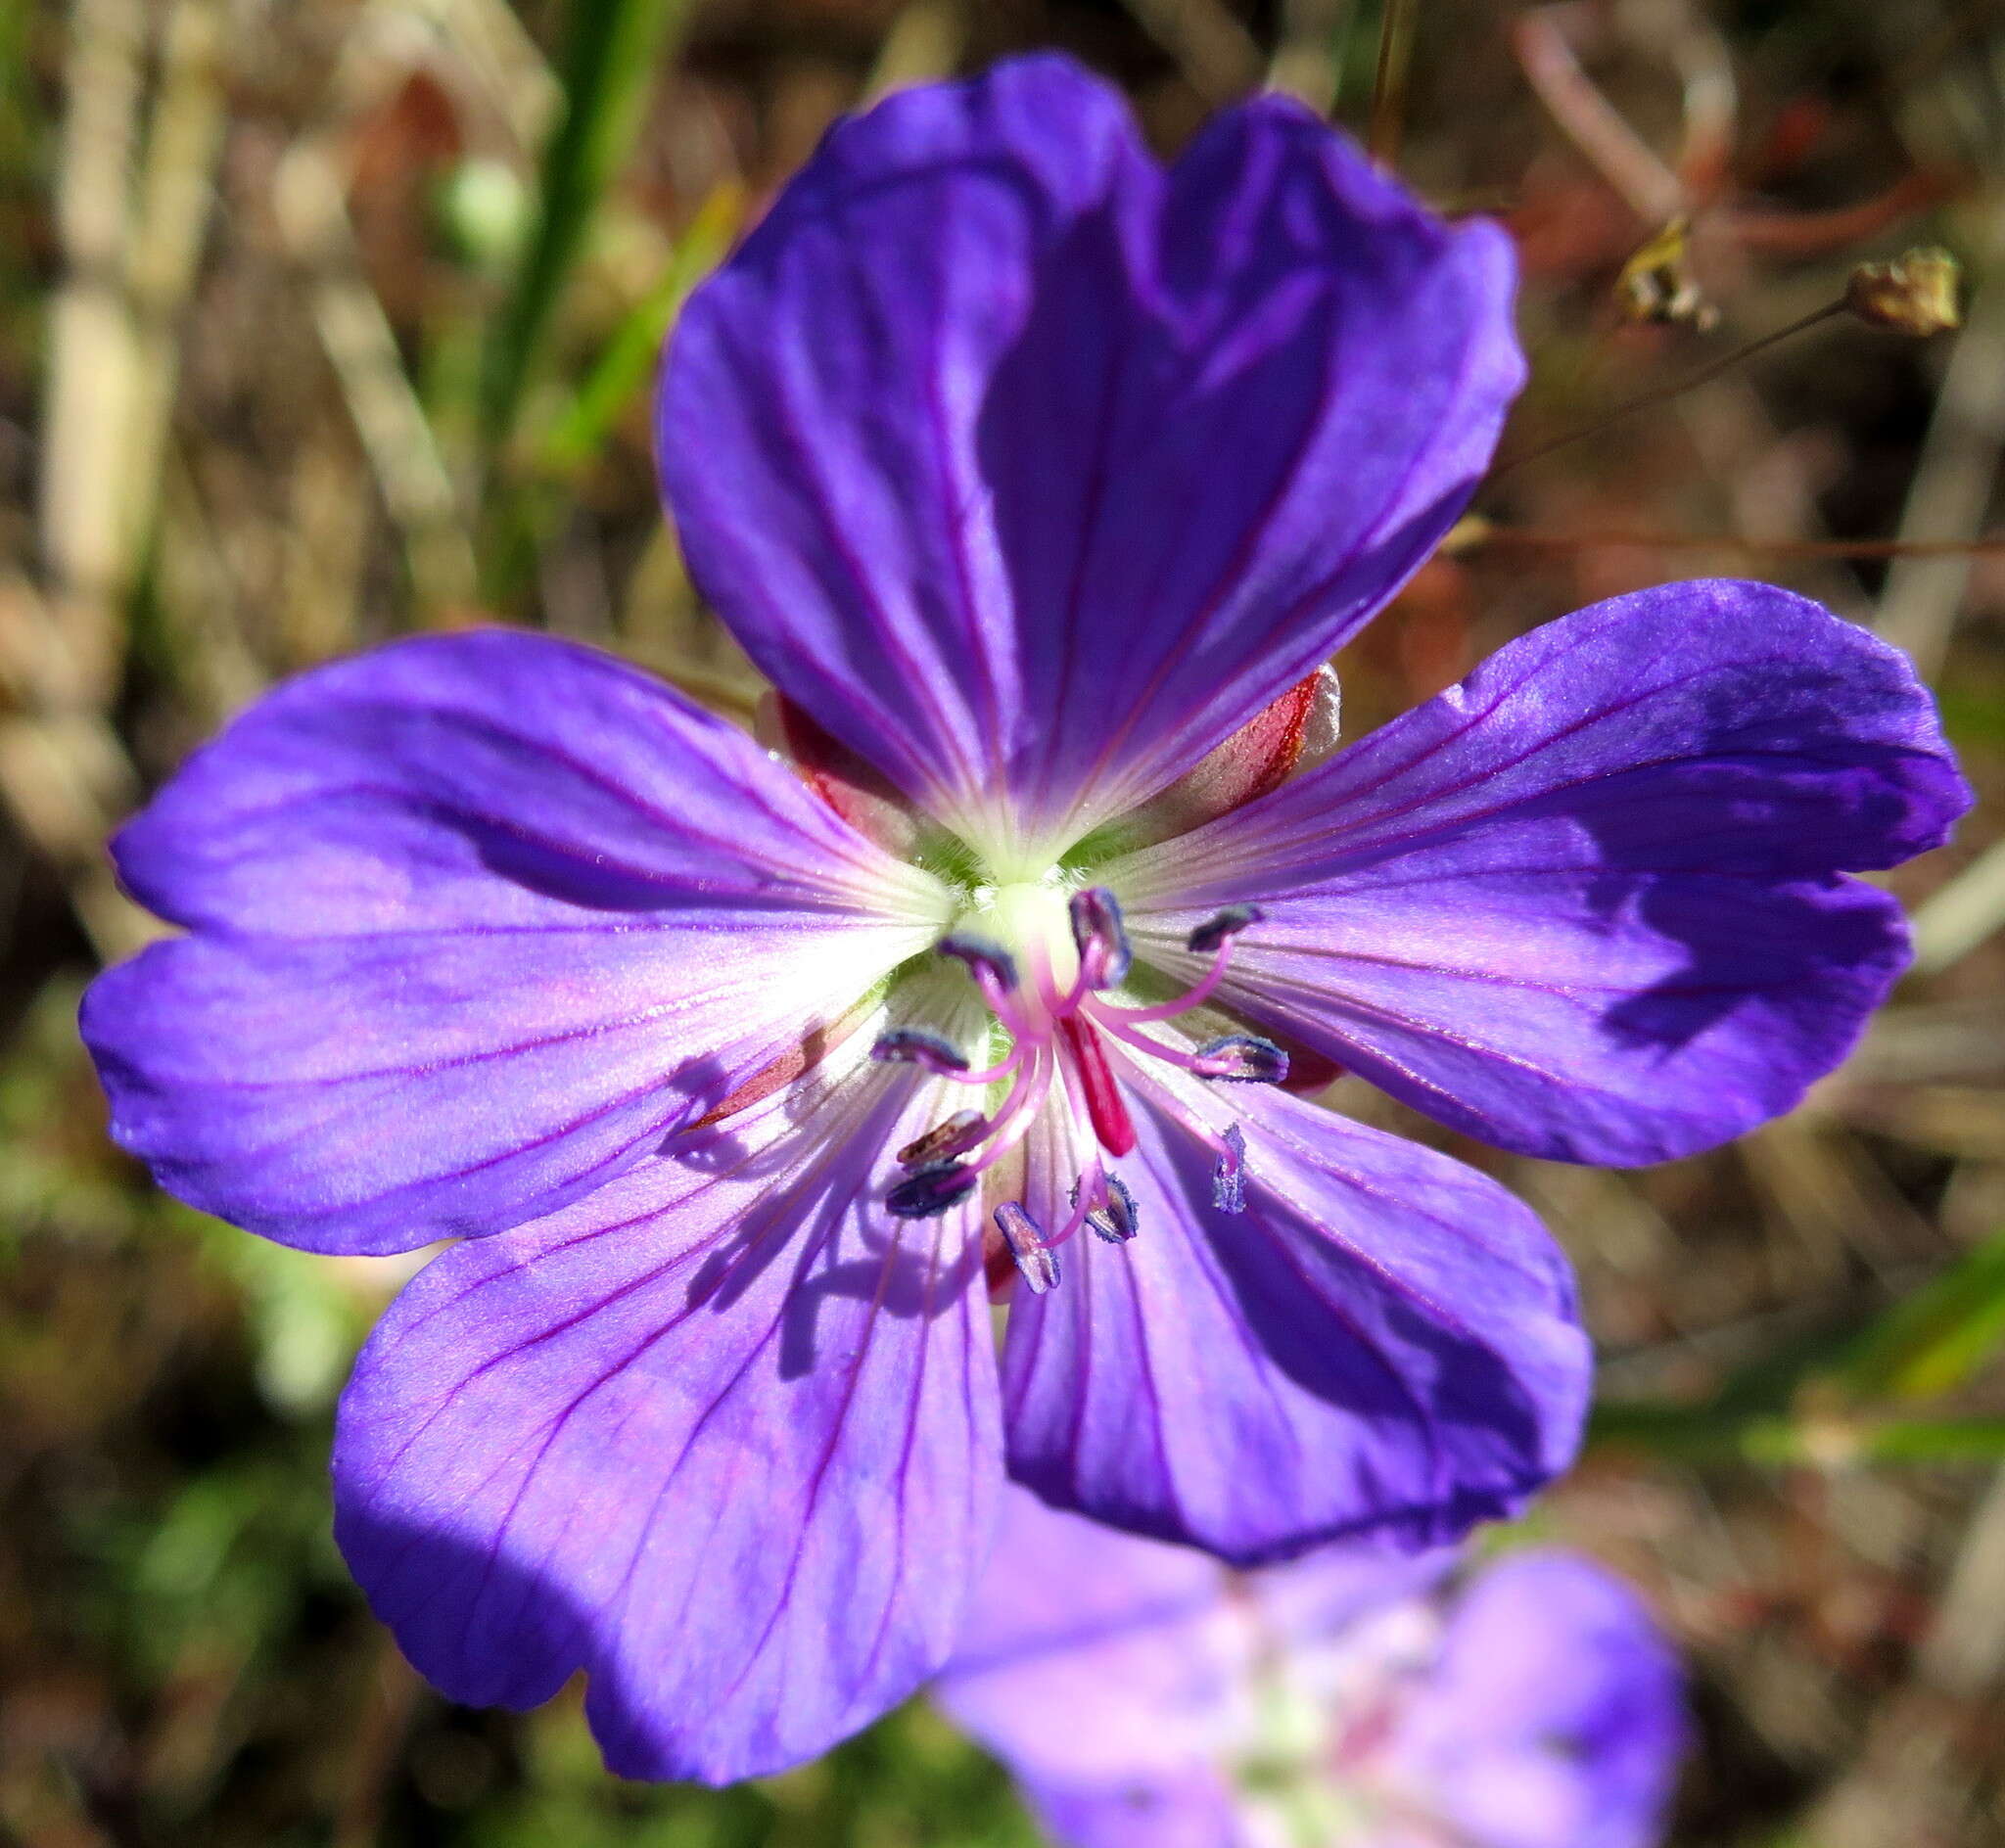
[(475, 920), (1189, 1807), (1031, 471), (1383, 1347), (721, 1435), (1133, 1639), (1556, 1715), (1592, 902), (1111, 1674)]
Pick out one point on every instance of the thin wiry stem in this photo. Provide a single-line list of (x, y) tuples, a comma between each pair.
[(1388, 82), (1664, 394)]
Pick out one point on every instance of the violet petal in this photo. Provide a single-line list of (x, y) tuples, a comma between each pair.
[(711, 1435), (1134, 1641), (1555, 1717), (1031, 471), (1591, 903), (476, 920), (1383, 1346)]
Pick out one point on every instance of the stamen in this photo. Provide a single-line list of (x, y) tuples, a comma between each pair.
[(927, 1192), (1088, 1193), (914, 1045), (982, 957), (1229, 923), (1102, 943), (1117, 1218), (1216, 937), (1228, 1177), (955, 1136), (993, 1074), (1019, 1111), (994, 970), (1241, 1058), (1238, 1058), (1059, 1039), (1034, 1260)]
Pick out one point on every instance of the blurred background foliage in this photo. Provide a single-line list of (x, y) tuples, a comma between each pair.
[(326, 320)]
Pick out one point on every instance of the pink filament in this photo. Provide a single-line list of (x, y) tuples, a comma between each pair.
[(1194, 997), (1019, 1110), (1056, 1042)]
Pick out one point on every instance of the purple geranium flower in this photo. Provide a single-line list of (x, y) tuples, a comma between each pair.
[(1041, 482), (1146, 1697)]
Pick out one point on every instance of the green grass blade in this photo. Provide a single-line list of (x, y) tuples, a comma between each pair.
[(629, 360), (611, 56), (1934, 1338), (1934, 1441), (1812, 1439)]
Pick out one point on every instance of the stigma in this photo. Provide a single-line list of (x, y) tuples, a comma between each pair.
[(1045, 964)]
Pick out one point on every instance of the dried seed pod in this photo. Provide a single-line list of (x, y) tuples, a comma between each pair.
[(1915, 294), (1657, 284)]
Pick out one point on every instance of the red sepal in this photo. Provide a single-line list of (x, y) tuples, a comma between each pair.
[(1254, 759)]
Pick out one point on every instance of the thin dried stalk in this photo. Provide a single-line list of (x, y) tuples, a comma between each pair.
[(1953, 486), (1215, 52), (1308, 63), (1964, 1650), (200, 605), (925, 41), (91, 356), (1545, 49), (1388, 81), (177, 194), (361, 345), (326, 541), (1963, 915), (64, 776), (508, 63)]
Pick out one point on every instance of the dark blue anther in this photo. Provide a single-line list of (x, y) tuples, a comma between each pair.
[(944, 1141), (914, 1045), (1230, 922), (1228, 1177), (1096, 919), (1037, 1260), (1241, 1058), (1117, 1218), (978, 953), (927, 1192)]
